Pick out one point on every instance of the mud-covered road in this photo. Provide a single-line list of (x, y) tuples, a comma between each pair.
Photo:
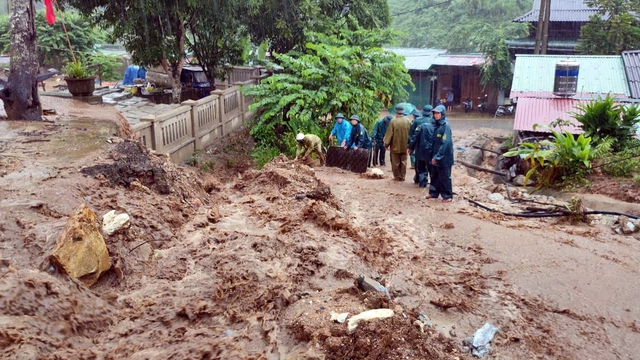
[(242, 266)]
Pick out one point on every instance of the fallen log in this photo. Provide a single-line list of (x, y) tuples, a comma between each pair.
[(480, 168)]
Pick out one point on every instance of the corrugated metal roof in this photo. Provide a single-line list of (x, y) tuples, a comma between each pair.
[(598, 75), (561, 10), (460, 60), (531, 111), (418, 59), (632, 66)]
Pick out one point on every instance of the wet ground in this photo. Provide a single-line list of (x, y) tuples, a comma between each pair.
[(242, 266)]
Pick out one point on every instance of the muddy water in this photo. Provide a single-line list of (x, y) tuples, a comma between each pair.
[(252, 271)]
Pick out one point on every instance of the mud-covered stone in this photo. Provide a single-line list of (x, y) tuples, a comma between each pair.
[(80, 250), (111, 223)]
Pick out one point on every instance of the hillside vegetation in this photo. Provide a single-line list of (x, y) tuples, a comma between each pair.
[(457, 25)]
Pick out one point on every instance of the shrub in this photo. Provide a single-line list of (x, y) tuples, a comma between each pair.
[(602, 118), (563, 160)]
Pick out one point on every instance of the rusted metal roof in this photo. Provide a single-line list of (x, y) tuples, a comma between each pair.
[(531, 111), (460, 60), (533, 75), (561, 11), (632, 67)]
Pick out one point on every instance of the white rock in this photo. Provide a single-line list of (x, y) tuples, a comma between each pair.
[(496, 197), (112, 222), (377, 171), (631, 226), (366, 316), (339, 317)]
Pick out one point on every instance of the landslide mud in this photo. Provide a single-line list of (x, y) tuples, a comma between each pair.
[(251, 266)]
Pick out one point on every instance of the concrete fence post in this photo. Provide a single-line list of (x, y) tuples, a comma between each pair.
[(195, 124), (156, 132)]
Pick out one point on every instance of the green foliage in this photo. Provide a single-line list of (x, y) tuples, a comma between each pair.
[(53, 49), (602, 118), (285, 24), (624, 163), (564, 160), (335, 74), (111, 66), (217, 38), (497, 69), (459, 25), (77, 70), (619, 165), (263, 154), (507, 143), (611, 31)]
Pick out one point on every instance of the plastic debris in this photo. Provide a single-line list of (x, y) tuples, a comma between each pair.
[(366, 316), (481, 340)]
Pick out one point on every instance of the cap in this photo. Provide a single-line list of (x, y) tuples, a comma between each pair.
[(416, 113), (300, 137), (339, 115), (439, 109), (355, 117)]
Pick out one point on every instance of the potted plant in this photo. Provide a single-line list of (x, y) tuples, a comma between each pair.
[(80, 81)]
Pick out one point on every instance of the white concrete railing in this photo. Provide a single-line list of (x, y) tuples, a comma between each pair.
[(196, 124)]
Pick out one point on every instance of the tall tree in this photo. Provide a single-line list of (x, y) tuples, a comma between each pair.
[(613, 30), (20, 94), (283, 24), (53, 49), (217, 36), (154, 32)]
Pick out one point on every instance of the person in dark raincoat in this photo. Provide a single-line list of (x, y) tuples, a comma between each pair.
[(359, 138), (442, 160), (426, 117), (421, 144), (379, 130), (415, 114)]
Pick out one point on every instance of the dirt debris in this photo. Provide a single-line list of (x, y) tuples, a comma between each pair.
[(239, 266)]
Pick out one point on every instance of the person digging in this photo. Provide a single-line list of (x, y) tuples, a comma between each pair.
[(308, 144)]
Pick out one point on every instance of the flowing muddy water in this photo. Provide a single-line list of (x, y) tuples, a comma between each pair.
[(247, 268)]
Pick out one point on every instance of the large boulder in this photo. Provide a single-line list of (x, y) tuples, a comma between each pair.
[(80, 250)]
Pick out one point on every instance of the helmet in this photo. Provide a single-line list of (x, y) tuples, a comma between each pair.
[(416, 113), (300, 137), (399, 109), (355, 117)]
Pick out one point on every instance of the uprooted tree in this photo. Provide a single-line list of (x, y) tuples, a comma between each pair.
[(20, 92)]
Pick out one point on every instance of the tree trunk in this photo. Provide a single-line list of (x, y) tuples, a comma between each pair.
[(176, 90), (540, 30), (20, 96)]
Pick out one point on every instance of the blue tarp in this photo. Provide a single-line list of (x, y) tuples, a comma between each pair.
[(133, 72)]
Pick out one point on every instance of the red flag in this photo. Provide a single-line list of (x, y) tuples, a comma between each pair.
[(50, 15)]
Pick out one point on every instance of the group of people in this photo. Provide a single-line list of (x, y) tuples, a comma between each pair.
[(426, 139)]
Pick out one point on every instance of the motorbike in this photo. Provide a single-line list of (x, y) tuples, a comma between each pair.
[(483, 106), (468, 105), (505, 110)]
